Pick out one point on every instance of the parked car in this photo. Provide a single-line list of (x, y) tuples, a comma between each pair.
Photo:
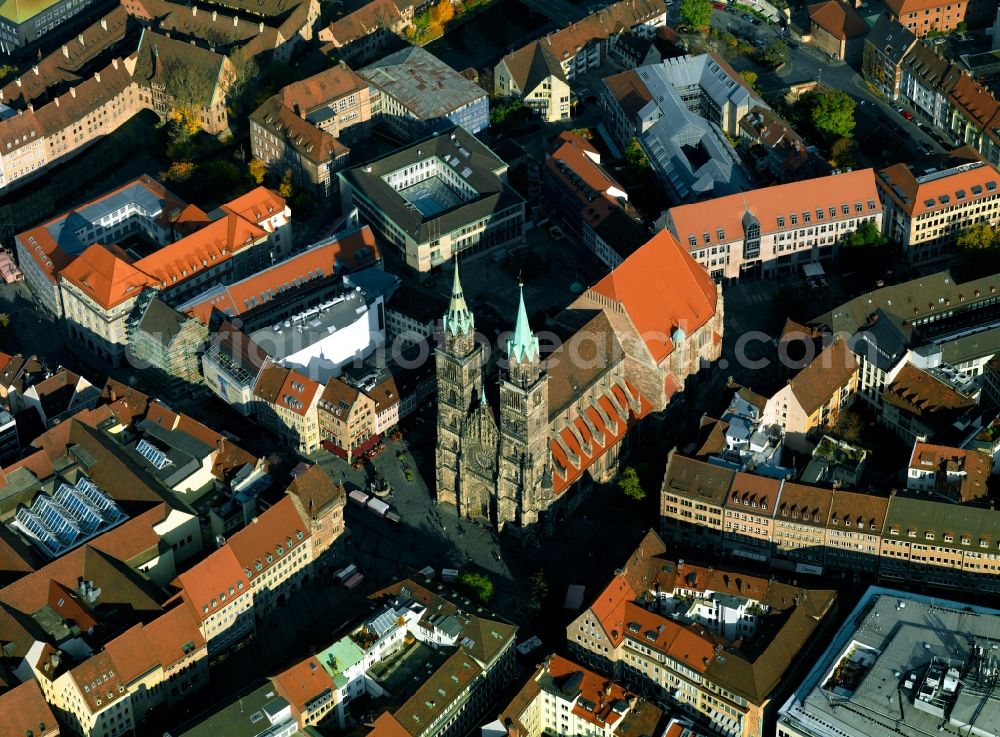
[(719, 6), (907, 114)]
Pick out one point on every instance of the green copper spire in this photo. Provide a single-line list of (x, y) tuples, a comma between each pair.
[(482, 395), (524, 345), (458, 319)]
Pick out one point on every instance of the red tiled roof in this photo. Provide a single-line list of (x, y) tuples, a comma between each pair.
[(280, 531), (287, 388), (899, 182), (99, 682), (566, 471), (211, 579), (233, 299), (838, 19), (661, 288), (257, 205), (599, 690), (25, 710), (105, 277), (303, 682)]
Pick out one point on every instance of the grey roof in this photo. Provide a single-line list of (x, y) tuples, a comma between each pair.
[(476, 164), (894, 638), (374, 282), (890, 38), (671, 140), (248, 716), (64, 230), (422, 83), (928, 516), (971, 347), (704, 71), (161, 321), (882, 343), (182, 452), (285, 339)]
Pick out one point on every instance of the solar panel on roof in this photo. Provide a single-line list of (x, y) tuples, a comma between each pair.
[(153, 454)]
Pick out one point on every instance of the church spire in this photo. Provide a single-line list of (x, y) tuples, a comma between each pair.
[(458, 319), (523, 347), (482, 395)]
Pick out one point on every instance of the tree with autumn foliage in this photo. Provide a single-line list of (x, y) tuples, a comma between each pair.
[(443, 12), (257, 169), (285, 188)]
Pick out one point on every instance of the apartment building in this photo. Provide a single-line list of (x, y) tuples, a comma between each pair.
[(954, 473), (20, 27), (231, 366), (369, 30), (56, 396), (590, 201), (915, 538), (414, 93), (812, 400), (687, 633), (274, 31), (562, 697), (310, 125), (920, 403), (886, 45), (924, 16), (926, 208), (777, 229), (346, 419), (540, 72), (437, 197), (926, 81), (285, 402), (974, 116)]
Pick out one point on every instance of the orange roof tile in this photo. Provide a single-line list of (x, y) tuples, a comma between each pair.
[(105, 277), (899, 183), (755, 495), (257, 205), (213, 244), (826, 374), (287, 388), (303, 682), (767, 204), (805, 504), (24, 710), (599, 690), (99, 681), (609, 607), (838, 19), (661, 288), (173, 634), (206, 586), (280, 531)]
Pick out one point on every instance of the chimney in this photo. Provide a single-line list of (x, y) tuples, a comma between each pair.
[(56, 101), (214, 15), (72, 91), (104, 23), (114, 62), (194, 10), (260, 27), (236, 21), (82, 42), (97, 76), (66, 51), (31, 108), (35, 69)]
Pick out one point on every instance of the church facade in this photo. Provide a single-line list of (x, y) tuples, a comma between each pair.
[(562, 421)]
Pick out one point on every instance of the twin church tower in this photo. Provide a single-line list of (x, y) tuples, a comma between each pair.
[(501, 474)]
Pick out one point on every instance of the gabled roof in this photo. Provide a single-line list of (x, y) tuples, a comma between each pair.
[(280, 531), (891, 38), (825, 374), (158, 54), (665, 293), (531, 65), (314, 490), (698, 480), (918, 392), (105, 276), (25, 710)]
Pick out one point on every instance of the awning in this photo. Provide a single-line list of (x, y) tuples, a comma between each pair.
[(813, 269)]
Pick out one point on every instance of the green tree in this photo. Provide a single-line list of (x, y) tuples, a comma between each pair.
[(635, 156), (842, 153), (7, 72), (776, 54), (750, 77), (630, 485), (867, 234), (977, 237), (696, 13), (831, 113), (539, 589), (479, 585)]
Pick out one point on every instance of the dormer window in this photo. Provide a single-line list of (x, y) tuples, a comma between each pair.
[(911, 532), (949, 538), (966, 540), (929, 535), (893, 530)]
